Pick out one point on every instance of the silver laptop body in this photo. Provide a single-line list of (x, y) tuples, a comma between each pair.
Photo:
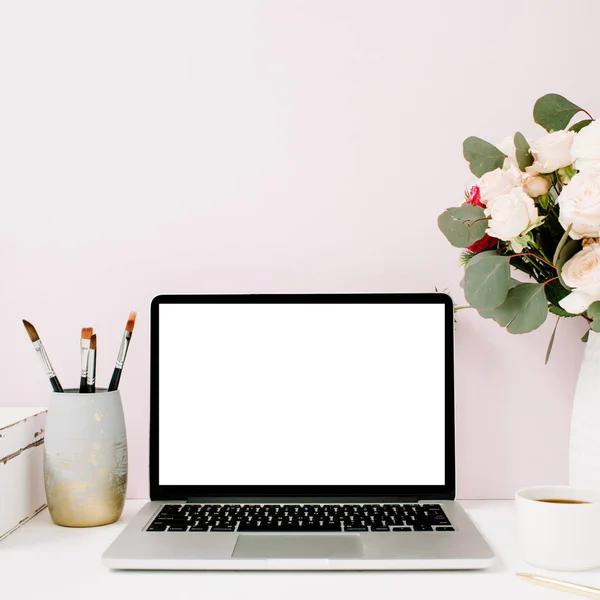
[(301, 432)]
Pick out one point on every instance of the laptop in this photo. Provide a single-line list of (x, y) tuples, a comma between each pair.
[(301, 432)]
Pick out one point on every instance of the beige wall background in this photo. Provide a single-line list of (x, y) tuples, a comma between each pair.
[(273, 146)]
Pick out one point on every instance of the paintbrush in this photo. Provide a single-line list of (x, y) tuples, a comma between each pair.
[(39, 348), (86, 334), (91, 367), (116, 376), (563, 586)]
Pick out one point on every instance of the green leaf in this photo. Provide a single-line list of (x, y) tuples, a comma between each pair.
[(568, 251), (580, 125), (543, 201), (465, 257), (473, 261), (595, 325), (551, 342), (593, 312), (482, 156), (585, 337), (563, 240), (524, 310), (524, 157), (480, 256), (463, 225), (553, 112), (559, 312), (555, 292), (488, 313), (487, 280)]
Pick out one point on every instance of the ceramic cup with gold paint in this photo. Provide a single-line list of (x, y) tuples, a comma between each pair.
[(85, 458)]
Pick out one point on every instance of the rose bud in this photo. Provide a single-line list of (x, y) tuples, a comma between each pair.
[(536, 185)]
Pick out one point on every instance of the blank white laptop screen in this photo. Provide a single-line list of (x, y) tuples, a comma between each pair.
[(301, 394)]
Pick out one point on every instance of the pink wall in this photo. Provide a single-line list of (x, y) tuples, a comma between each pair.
[(268, 146)]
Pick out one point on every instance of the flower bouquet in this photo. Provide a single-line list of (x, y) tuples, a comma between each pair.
[(535, 210)]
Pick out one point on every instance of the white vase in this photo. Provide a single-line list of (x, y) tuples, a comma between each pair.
[(85, 458), (584, 452)]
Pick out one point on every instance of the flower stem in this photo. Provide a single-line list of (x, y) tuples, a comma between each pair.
[(539, 249), (587, 113), (457, 308), (557, 183), (549, 280), (536, 267), (534, 256)]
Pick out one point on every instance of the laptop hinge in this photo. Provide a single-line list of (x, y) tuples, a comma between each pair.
[(296, 500)]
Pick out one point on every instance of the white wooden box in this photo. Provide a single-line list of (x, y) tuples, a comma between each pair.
[(21, 466)]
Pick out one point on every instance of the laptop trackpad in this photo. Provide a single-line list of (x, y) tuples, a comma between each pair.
[(298, 546)]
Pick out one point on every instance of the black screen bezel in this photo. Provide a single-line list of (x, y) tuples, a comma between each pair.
[(446, 491)]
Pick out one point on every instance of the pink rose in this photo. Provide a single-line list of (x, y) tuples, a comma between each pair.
[(475, 196)]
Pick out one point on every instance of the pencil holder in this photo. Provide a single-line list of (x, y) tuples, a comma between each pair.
[(85, 458)]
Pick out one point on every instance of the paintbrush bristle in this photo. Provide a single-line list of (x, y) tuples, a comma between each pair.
[(130, 321), (86, 333), (31, 332), (93, 342)]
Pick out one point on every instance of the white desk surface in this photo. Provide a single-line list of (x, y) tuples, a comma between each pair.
[(42, 560)]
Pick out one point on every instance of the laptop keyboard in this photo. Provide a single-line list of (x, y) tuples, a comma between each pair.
[(301, 517)]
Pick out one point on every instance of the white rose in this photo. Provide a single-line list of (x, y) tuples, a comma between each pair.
[(507, 146), (585, 151), (582, 273), (495, 183), (579, 204), (516, 176), (552, 152), (511, 214), (536, 185)]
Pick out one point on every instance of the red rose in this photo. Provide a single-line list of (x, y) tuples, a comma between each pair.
[(483, 244), (475, 197)]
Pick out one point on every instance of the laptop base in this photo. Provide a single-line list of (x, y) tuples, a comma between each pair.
[(463, 548)]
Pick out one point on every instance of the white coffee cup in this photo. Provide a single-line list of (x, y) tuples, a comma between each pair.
[(560, 536)]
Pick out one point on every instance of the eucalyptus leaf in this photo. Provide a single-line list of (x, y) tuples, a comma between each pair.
[(480, 256), (463, 225), (593, 312), (554, 112), (487, 281), (488, 313), (524, 310), (585, 337), (551, 342), (474, 260), (577, 127), (563, 240), (568, 251), (482, 156), (522, 152)]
